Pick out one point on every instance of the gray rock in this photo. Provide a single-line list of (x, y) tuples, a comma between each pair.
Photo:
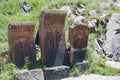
[(93, 77), (113, 64), (83, 66), (99, 43), (93, 12), (36, 74), (77, 19), (99, 53), (92, 24), (81, 11), (80, 5), (66, 8), (56, 73), (117, 5), (26, 8), (72, 16), (103, 16), (114, 1), (96, 55), (105, 5), (111, 45)]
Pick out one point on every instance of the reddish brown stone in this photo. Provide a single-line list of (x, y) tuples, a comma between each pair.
[(21, 42), (78, 38), (52, 37)]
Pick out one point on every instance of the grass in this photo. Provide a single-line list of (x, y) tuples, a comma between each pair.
[(98, 66), (10, 12)]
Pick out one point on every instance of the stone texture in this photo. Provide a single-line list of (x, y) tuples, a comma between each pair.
[(77, 19), (81, 11), (66, 8), (111, 45), (117, 5), (36, 74), (78, 38), (52, 38), (93, 77), (113, 64), (105, 5), (114, 1), (93, 12), (83, 66), (56, 73), (26, 8), (92, 24), (21, 42)]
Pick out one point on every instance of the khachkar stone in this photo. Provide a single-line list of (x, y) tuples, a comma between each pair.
[(111, 45), (52, 37), (21, 42), (78, 38)]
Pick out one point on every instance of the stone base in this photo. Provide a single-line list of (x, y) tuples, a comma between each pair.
[(56, 73), (83, 66), (51, 73), (36, 74)]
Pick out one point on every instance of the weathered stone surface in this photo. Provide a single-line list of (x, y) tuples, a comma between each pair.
[(117, 5), (52, 38), (66, 8), (21, 42), (26, 8), (56, 73), (111, 45), (93, 24), (81, 11), (105, 5), (113, 64), (114, 1), (93, 12), (36, 74), (103, 16), (93, 77), (77, 19), (83, 66), (80, 8), (78, 38), (98, 53)]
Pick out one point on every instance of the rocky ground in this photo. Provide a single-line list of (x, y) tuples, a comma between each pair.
[(93, 77), (108, 43)]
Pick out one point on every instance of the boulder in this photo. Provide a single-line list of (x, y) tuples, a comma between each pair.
[(93, 12), (83, 66), (77, 19), (92, 24), (56, 73), (105, 5), (117, 5), (36, 74), (114, 1), (113, 64), (81, 11), (66, 8), (111, 44), (26, 8), (80, 5)]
